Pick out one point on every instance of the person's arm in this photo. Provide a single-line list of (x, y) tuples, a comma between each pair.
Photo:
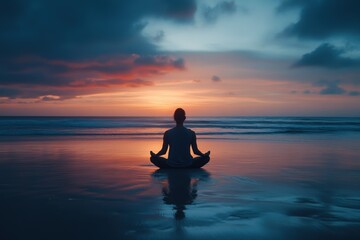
[(196, 149), (163, 149)]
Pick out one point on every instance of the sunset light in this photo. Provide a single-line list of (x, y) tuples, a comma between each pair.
[(214, 54), (179, 119)]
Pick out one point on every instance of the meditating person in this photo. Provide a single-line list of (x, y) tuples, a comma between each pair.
[(179, 139)]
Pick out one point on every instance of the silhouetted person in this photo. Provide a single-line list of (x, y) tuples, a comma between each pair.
[(180, 139)]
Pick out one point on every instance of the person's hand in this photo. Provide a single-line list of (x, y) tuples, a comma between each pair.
[(152, 154), (207, 154)]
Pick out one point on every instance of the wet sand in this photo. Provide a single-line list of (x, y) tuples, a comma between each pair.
[(105, 188)]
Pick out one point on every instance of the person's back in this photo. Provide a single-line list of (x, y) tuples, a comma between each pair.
[(180, 139)]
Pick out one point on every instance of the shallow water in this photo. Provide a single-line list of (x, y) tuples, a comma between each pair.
[(282, 187)]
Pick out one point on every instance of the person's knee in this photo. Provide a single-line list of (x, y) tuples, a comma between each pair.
[(206, 160), (152, 159), (155, 161)]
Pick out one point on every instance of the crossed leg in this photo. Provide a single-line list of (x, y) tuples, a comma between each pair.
[(160, 162), (197, 162)]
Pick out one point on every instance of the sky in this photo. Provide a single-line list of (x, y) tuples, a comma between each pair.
[(212, 58)]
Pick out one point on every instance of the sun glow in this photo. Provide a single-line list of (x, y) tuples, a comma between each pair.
[(163, 99)]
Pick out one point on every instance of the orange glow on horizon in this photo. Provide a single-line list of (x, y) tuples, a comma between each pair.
[(238, 93)]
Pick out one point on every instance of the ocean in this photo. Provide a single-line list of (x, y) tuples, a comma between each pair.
[(91, 178), (206, 127)]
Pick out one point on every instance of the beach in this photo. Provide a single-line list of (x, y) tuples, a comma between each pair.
[(96, 96), (272, 183)]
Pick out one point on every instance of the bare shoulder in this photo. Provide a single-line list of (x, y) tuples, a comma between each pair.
[(167, 135), (190, 131), (169, 131)]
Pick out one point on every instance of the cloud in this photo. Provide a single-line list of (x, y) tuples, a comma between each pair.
[(41, 71), (160, 61), (9, 92), (286, 5), (330, 87), (321, 19), (160, 35), (31, 77), (92, 44), (354, 93), (215, 78), (83, 29), (211, 14), (326, 56), (49, 98), (178, 10), (76, 89)]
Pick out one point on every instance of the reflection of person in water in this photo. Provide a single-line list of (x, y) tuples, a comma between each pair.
[(179, 139), (180, 187)]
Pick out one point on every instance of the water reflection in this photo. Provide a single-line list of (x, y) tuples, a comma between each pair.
[(180, 187), (100, 189)]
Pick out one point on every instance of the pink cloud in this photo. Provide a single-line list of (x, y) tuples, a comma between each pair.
[(33, 75)]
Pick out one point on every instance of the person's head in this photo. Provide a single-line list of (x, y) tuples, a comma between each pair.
[(179, 116)]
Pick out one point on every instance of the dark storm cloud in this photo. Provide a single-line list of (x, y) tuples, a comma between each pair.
[(290, 4), (179, 10), (64, 43), (327, 56), (82, 29), (320, 19), (211, 14)]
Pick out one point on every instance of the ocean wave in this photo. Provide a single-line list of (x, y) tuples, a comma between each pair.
[(154, 126)]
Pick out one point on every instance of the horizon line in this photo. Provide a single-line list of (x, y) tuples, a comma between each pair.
[(170, 116)]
